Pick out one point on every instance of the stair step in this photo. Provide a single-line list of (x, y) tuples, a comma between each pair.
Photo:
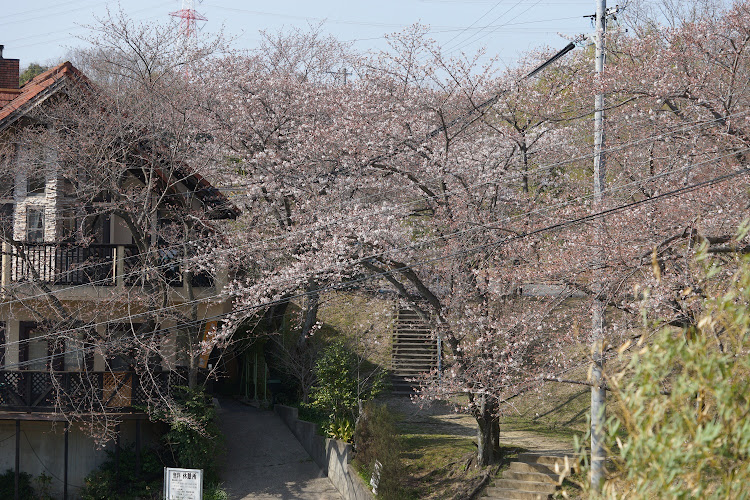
[(534, 477), (557, 463), (405, 350), (418, 364), (512, 494), (516, 484), (533, 468)]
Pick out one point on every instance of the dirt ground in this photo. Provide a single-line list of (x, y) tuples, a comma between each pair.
[(440, 418)]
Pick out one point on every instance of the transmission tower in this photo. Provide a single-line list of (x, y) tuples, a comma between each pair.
[(189, 17)]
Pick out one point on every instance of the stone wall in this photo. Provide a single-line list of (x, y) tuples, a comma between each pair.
[(331, 455)]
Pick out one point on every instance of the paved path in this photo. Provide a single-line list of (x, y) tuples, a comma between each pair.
[(265, 461)]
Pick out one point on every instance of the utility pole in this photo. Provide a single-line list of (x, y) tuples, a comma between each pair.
[(598, 392), (340, 76)]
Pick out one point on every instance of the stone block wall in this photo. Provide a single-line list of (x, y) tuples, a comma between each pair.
[(331, 455)]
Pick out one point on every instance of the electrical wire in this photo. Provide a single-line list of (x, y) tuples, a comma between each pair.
[(478, 36), (472, 24), (289, 235), (411, 246), (453, 255)]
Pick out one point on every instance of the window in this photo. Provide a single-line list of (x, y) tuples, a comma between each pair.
[(68, 188), (6, 219), (33, 159), (36, 183), (38, 351), (123, 353), (75, 355), (34, 348), (7, 182), (34, 225)]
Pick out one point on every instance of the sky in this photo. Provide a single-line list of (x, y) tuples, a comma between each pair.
[(44, 31)]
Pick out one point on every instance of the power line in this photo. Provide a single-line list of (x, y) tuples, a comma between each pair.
[(457, 254), (315, 228), (287, 235), (472, 24)]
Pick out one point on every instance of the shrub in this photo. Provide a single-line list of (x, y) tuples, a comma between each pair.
[(103, 483), (342, 382), (8, 485), (682, 429), (376, 439), (340, 428), (194, 440), (43, 486), (215, 492)]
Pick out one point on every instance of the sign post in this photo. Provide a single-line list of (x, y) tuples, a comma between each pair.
[(183, 484)]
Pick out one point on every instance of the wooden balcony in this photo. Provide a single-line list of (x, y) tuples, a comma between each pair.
[(98, 265), (50, 392)]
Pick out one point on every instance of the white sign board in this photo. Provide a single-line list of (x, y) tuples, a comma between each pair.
[(183, 484)]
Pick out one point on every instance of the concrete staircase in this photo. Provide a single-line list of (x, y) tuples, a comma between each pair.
[(414, 351), (533, 476)]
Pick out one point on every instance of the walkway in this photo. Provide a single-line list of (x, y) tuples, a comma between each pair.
[(265, 461)]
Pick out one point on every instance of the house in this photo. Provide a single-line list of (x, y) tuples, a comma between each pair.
[(101, 313)]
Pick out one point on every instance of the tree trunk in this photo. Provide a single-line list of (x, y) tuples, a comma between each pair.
[(311, 312), (485, 453), (485, 417), (193, 372), (496, 436)]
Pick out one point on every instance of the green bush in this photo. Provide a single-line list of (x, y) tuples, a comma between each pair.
[(43, 486), (376, 439), (340, 428), (215, 492), (194, 440), (682, 428), (8, 485), (342, 381), (103, 483)]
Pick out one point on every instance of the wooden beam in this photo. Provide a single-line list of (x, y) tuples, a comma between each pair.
[(18, 458), (137, 450), (65, 473), (117, 455)]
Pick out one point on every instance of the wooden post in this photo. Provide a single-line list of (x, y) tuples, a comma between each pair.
[(137, 449), (119, 267), (65, 472), (18, 457), (255, 378), (117, 453), (5, 267)]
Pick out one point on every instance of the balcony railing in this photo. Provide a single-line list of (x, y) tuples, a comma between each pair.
[(64, 264), (67, 264), (42, 391)]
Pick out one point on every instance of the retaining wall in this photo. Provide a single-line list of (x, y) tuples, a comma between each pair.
[(331, 455)]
